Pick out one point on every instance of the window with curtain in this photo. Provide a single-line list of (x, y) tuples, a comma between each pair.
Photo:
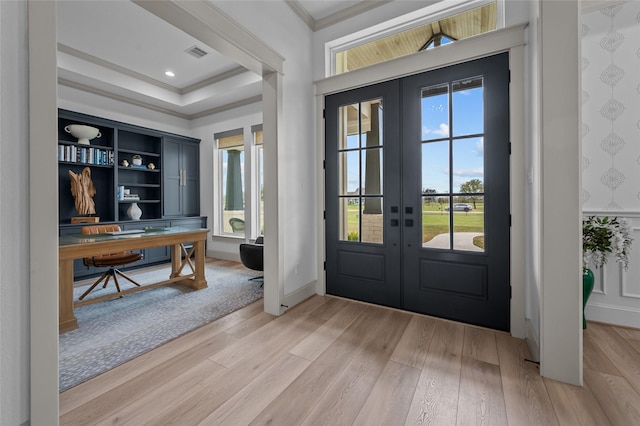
[(231, 189)]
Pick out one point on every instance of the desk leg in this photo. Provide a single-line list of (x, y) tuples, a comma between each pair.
[(176, 257), (66, 319), (200, 281)]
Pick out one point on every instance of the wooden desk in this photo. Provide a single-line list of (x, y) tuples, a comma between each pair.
[(78, 246)]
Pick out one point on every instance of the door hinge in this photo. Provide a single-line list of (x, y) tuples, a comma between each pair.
[(510, 292), (509, 148), (325, 265), (324, 215), (324, 113), (324, 164), (509, 221), (509, 76)]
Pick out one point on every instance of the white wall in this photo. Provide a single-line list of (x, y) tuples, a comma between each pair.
[(276, 25), (611, 148), (14, 215)]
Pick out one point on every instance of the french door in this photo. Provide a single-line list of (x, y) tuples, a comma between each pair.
[(417, 193)]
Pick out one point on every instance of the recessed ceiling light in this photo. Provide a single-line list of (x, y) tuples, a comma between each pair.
[(169, 74)]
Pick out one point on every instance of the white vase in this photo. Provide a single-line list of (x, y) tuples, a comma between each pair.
[(134, 212)]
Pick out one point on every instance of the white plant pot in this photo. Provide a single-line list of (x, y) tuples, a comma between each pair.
[(134, 211)]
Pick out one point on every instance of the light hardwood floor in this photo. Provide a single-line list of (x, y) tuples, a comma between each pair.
[(334, 362)]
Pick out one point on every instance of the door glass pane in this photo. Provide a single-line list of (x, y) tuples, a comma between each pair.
[(468, 223), (349, 123), (435, 167), (349, 225), (372, 220), (360, 160), (349, 163), (435, 112), (372, 173), (435, 222), (468, 165), (468, 110), (371, 123)]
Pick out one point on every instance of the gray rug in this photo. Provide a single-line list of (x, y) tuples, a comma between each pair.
[(114, 331)]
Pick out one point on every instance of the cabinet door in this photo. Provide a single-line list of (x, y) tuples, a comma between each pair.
[(181, 168), (171, 169), (191, 187)]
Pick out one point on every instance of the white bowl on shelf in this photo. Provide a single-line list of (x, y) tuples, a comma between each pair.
[(83, 133)]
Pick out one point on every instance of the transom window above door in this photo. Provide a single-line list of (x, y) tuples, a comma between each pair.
[(445, 27)]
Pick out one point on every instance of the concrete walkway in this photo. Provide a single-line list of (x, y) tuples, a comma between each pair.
[(461, 241)]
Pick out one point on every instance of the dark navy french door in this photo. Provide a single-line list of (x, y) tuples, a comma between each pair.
[(417, 193)]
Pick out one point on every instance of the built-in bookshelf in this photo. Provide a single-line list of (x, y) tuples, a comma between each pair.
[(118, 179)]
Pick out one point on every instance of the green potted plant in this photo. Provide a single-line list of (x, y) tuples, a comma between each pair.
[(601, 236)]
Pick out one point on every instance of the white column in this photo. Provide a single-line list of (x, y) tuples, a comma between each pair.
[(561, 295), (43, 117)]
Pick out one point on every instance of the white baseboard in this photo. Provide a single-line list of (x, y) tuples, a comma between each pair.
[(611, 314), (300, 295), (532, 340), (223, 255)]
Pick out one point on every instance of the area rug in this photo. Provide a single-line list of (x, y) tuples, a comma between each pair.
[(114, 331)]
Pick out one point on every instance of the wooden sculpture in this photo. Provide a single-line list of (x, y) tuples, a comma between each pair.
[(83, 191)]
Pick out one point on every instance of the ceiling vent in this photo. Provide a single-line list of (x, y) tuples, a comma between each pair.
[(196, 52)]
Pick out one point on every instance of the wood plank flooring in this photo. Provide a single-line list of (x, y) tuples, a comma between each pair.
[(330, 361)]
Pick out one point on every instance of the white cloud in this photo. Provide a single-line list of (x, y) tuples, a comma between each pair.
[(480, 147), (442, 131), (479, 172)]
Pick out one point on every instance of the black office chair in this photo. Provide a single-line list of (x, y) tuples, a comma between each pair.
[(109, 260), (252, 256)]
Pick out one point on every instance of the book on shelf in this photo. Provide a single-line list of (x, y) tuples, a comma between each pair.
[(122, 196), (85, 155)]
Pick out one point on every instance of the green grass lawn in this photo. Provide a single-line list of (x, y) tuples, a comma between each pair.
[(435, 221)]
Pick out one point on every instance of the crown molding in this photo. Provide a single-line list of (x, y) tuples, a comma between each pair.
[(302, 13), (227, 107), (348, 13), (117, 68), (125, 99), (215, 79), (334, 18), (146, 105)]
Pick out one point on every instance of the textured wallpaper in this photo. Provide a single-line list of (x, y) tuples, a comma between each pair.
[(611, 108)]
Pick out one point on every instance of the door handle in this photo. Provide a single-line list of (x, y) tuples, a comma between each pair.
[(394, 222), (408, 223)]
